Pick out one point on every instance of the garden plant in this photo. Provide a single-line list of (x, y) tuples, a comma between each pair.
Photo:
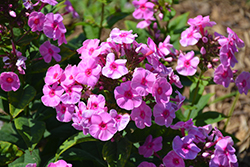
[(112, 95)]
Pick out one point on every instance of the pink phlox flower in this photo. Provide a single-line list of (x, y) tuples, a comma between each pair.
[(142, 116), (235, 37), (53, 74), (36, 20), (190, 37), (121, 120), (223, 75), (31, 165), (89, 72), (77, 117), (154, 49), (122, 36), (114, 68), (228, 58), (164, 114), (48, 51), (199, 134), (64, 112), (143, 24), (243, 82), (144, 9), (221, 161), (174, 79), (53, 26), (28, 4), (96, 103), (201, 22), (90, 48), (60, 163), (161, 90), (72, 94), (51, 2), (185, 147), (227, 43), (187, 64), (173, 160), (142, 81), (9, 81), (86, 120), (146, 164), (69, 8), (102, 126), (150, 146), (52, 94), (126, 97), (62, 39), (183, 125), (69, 75), (157, 67), (164, 48)]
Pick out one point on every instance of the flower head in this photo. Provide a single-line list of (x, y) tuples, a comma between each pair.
[(52, 95), (164, 114), (243, 82), (48, 51), (53, 74), (187, 64), (190, 37), (122, 36), (150, 146), (223, 75), (60, 163), (9, 81), (36, 20), (173, 160), (161, 90)]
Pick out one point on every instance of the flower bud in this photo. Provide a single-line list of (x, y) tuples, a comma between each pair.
[(204, 39), (203, 50)]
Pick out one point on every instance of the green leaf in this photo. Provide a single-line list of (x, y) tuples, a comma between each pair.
[(8, 152), (180, 116), (223, 97), (112, 19), (16, 32), (106, 2), (197, 92), (117, 153), (73, 140), (31, 130), (142, 33), (27, 39), (208, 117), (20, 99)]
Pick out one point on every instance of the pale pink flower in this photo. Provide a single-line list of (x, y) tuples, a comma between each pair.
[(243, 82), (187, 64), (126, 97), (20, 63), (51, 97), (90, 48), (142, 81), (161, 90), (164, 48), (164, 114), (72, 94), (142, 116), (36, 20), (190, 37), (9, 81), (223, 75), (114, 68), (175, 79), (64, 112), (53, 74), (48, 51), (77, 117), (144, 9), (121, 120), (122, 36), (62, 39), (96, 103), (102, 126), (69, 74), (143, 24), (53, 26), (201, 22), (150, 146), (173, 160), (60, 163), (146, 164), (89, 72)]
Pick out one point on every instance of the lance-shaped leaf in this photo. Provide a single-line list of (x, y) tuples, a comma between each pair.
[(20, 99), (117, 153), (73, 140), (8, 153), (30, 130)]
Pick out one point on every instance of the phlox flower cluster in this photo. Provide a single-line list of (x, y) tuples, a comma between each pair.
[(9, 81)]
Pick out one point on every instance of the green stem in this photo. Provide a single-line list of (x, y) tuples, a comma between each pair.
[(232, 109), (102, 17)]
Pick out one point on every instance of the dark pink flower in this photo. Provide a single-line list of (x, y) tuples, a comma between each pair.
[(165, 47), (102, 126), (146, 164), (64, 112), (9, 81), (187, 64), (173, 160), (48, 51), (53, 74), (150, 146), (36, 20), (243, 82), (52, 95), (90, 48), (223, 75), (161, 90), (185, 125), (69, 75), (60, 163), (126, 97), (96, 103)]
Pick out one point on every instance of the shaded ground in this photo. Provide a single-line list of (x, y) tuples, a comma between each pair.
[(236, 15)]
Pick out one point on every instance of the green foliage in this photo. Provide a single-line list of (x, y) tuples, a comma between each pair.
[(8, 152)]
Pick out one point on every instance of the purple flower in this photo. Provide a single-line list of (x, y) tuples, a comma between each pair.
[(150, 146), (184, 125), (102, 126), (223, 75), (51, 2), (114, 68), (9, 81), (161, 90), (146, 164), (243, 82), (64, 112), (48, 51), (36, 20), (185, 147), (228, 58), (51, 97), (28, 4), (126, 97), (53, 26), (69, 8), (173, 160), (190, 37), (175, 79), (53, 74), (142, 116), (164, 114), (60, 163), (121, 36), (121, 120), (187, 64)]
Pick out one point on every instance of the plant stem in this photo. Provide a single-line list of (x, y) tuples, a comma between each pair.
[(102, 16), (231, 110)]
